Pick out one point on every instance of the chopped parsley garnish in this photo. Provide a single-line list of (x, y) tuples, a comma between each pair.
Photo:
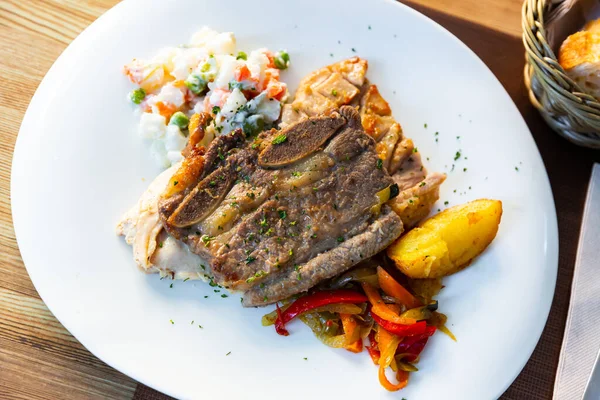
[(172, 323), (279, 139), (334, 92), (250, 259), (296, 174), (250, 195), (517, 169), (235, 85), (457, 155), (224, 295), (206, 239), (186, 279), (228, 354), (212, 183), (422, 184), (379, 163), (415, 150), (340, 239), (282, 214), (171, 286), (445, 203), (216, 110), (175, 183), (353, 50), (291, 252)]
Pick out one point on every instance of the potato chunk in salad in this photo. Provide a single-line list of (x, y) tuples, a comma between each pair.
[(238, 89)]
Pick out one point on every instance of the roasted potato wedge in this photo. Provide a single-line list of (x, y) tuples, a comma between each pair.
[(448, 241)]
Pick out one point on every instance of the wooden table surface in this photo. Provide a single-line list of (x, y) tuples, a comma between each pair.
[(38, 356)]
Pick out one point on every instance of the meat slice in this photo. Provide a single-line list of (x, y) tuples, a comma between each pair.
[(282, 227), (345, 83)]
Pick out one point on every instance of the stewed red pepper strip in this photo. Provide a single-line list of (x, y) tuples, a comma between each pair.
[(373, 348), (317, 299), (417, 328), (414, 345)]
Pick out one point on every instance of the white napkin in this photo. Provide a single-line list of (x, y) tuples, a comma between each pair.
[(581, 341)]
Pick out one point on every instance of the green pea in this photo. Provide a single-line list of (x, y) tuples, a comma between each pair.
[(241, 56), (179, 119), (196, 84), (281, 59), (137, 95)]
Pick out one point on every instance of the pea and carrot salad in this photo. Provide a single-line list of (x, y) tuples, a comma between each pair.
[(209, 74)]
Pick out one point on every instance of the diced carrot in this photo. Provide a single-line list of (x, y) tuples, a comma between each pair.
[(392, 288), (271, 58), (242, 73), (166, 110), (275, 90)]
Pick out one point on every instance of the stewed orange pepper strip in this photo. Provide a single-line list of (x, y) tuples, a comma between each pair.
[(381, 309), (401, 376), (352, 332), (392, 288), (388, 344)]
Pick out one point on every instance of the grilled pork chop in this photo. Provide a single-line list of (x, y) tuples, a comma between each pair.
[(276, 216), (345, 83)]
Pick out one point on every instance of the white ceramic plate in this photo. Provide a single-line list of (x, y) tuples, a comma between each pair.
[(79, 165)]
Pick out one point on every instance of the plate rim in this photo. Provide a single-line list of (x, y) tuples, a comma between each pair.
[(552, 230)]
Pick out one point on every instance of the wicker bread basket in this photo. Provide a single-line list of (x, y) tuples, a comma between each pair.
[(563, 104)]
